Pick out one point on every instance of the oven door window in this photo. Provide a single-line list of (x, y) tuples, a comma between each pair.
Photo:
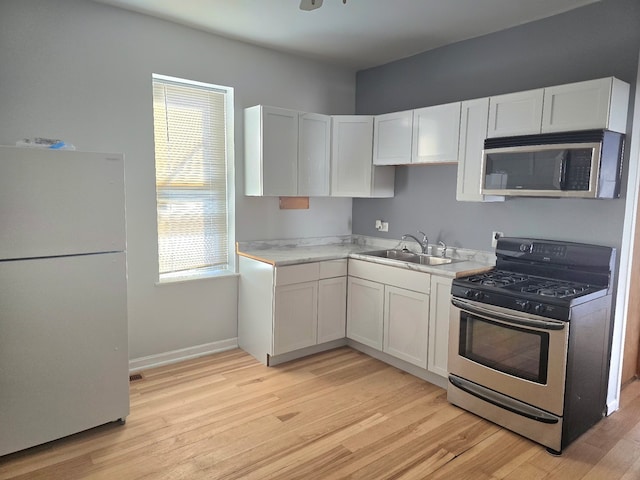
[(516, 351)]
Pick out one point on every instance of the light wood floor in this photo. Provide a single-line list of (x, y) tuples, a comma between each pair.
[(339, 414)]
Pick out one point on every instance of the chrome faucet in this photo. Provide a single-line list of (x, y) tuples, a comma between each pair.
[(424, 243), (443, 254)]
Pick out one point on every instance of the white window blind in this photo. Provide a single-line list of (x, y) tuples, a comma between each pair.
[(191, 176)]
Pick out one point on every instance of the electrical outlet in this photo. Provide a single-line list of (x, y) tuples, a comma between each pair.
[(382, 226), (494, 238)]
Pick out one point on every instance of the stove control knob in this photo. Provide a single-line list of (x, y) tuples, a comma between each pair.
[(526, 248), (478, 295), (524, 305), (468, 293), (539, 308)]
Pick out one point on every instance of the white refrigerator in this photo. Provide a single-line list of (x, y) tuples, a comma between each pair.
[(63, 294)]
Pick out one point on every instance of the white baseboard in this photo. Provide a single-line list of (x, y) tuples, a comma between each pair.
[(166, 358), (304, 352)]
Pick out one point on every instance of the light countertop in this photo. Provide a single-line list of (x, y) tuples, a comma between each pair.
[(292, 252)]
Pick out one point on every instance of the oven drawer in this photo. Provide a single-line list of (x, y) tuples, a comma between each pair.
[(501, 410)]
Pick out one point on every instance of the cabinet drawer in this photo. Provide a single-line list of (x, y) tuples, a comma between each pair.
[(395, 276), (305, 272), (333, 268)]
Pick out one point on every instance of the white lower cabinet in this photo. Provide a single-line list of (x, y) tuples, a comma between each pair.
[(289, 308), (388, 309), (332, 311), (406, 324), (439, 312), (284, 310), (295, 323), (365, 304)]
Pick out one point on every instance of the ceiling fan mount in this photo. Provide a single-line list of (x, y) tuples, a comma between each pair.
[(308, 5)]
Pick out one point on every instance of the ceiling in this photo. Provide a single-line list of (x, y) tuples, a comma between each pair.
[(359, 34)]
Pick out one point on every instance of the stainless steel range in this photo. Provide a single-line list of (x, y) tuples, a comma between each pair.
[(529, 342)]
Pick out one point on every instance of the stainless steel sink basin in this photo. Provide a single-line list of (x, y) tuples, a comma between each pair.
[(429, 260), (406, 256)]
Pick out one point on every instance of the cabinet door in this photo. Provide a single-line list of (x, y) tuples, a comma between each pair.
[(332, 311), (406, 323), (439, 324), (436, 133), (314, 149), (279, 151), (351, 155), (578, 106), (296, 317), (515, 113), (473, 131), (365, 302), (392, 138), (270, 151)]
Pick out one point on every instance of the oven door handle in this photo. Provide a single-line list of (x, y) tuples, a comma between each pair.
[(515, 319)]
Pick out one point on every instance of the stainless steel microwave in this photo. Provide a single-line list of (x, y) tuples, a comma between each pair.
[(583, 164)]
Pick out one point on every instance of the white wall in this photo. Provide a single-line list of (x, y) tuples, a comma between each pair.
[(81, 71)]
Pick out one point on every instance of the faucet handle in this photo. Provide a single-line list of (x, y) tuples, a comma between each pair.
[(425, 242), (444, 248)]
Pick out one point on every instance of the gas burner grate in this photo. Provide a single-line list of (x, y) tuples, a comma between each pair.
[(553, 289), (497, 279)]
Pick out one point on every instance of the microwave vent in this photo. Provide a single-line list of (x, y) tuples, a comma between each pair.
[(582, 136)]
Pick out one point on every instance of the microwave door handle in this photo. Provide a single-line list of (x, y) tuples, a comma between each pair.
[(562, 175), (517, 320)]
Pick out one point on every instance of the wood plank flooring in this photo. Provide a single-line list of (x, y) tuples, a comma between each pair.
[(338, 414)]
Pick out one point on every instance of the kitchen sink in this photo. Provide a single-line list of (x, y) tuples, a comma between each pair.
[(407, 256)]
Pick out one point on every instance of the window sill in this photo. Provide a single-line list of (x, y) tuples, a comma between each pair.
[(199, 275)]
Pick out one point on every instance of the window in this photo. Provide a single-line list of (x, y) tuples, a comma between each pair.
[(192, 126)]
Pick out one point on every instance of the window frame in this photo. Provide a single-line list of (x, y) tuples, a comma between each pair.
[(213, 272)]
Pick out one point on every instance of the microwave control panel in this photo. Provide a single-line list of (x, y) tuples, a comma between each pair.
[(578, 169)]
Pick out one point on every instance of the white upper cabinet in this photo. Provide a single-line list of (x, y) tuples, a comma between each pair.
[(270, 151), (435, 134), (424, 135), (392, 134), (473, 131), (314, 155), (352, 170), (515, 113), (586, 105), (286, 152), (592, 104)]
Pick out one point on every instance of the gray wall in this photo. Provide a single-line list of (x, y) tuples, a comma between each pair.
[(595, 41), (81, 71)]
